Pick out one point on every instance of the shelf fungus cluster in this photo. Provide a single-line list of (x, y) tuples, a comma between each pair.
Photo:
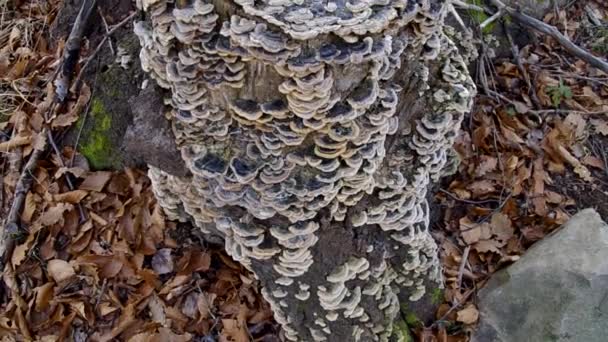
[(312, 130)]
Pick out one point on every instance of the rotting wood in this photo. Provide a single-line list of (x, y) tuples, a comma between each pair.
[(311, 148)]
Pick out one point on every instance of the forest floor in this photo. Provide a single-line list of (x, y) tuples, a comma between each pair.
[(95, 257)]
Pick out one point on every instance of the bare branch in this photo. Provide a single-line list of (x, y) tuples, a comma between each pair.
[(553, 32)]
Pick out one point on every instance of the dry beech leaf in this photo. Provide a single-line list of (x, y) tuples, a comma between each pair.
[(166, 334), (468, 315), (579, 168), (141, 337), (126, 319), (15, 142), (486, 164), (76, 171), (162, 261), (521, 107), (502, 227), (96, 181), (157, 310), (44, 294), (472, 235), (29, 208), (20, 251), (54, 214), (189, 306), (60, 270), (575, 124), (600, 126), (485, 246), (73, 197), (65, 120), (106, 308), (553, 197), (235, 331), (482, 187), (594, 162), (538, 176)]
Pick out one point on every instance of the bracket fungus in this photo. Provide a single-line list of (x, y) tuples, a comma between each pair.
[(312, 130)]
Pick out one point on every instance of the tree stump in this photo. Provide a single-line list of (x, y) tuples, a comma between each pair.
[(312, 131)]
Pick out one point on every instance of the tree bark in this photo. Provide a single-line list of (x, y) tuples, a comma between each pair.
[(312, 131)]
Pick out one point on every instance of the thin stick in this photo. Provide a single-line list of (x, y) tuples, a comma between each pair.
[(104, 284), (105, 24), (11, 227), (456, 16), (463, 262), (553, 32), (464, 5), (100, 45), (454, 197), (520, 66), (453, 307), (71, 51), (51, 140), (491, 19)]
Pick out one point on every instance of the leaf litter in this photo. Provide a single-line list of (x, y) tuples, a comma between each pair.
[(125, 273), (121, 271), (526, 166)]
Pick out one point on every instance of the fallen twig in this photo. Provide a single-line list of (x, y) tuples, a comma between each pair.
[(463, 262), (456, 305), (51, 140), (552, 31), (71, 51), (520, 67), (456, 198), (100, 45), (11, 227), (105, 24), (491, 19)]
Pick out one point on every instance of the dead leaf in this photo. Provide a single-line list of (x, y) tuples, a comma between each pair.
[(485, 246), (574, 124), (73, 197), (502, 227), (96, 181), (15, 142), (157, 310), (482, 187), (29, 207), (472, 235), (65, 120), (44, 294), (54, 214), (600, 126), (468, 315), (60, 270), (540, 205), (20, 251), (594, 162), (486, 164), (521, 107), (579, 168), (235, 331), (162, 261)]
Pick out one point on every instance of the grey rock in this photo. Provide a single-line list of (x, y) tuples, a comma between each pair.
[(558, 291)]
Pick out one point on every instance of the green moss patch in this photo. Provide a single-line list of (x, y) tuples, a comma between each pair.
[(401, 332), (97, 145)]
